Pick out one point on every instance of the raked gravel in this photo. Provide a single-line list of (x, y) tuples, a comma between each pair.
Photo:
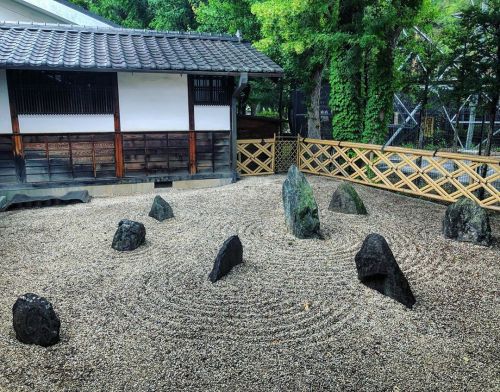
[(293, 317)]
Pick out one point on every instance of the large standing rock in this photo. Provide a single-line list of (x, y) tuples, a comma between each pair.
[(345, 199), (35, 321), (161, 210), (465, 220), (230, 254), (377, 269), (129, 235), (301, 210)]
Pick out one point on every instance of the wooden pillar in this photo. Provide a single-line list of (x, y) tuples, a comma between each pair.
[(17, 139), (192, 133), (119, 164)]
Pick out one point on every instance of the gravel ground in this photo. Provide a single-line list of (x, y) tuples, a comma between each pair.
[(293, 317)]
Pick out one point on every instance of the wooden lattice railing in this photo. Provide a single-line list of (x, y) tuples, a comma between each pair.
[(256, 157), (442, 176)]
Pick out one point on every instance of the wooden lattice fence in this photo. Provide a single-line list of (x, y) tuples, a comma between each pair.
[(443, 176)]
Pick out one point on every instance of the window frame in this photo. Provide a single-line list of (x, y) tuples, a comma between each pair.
[(47, 92), (212, 90)]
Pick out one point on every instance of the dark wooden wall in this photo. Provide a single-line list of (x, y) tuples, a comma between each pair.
[(255, 127), (68, 157), (7, 163)]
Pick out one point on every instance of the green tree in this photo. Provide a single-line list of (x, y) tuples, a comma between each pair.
[(176, 15), (228, 16), (362, 66), (127, 13), (299, 35)]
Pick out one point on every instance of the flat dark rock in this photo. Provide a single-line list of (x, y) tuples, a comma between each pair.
[(230, 254), (129, 235), (467, 221), (346, 200), (35, 321), (161, 210), (301, 210), (377, 268), (22, 200)]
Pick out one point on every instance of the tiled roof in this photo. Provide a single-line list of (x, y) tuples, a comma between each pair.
[(48, 46)]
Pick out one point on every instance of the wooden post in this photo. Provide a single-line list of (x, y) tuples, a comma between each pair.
[(192, 134), (119, 164), (17, 139)]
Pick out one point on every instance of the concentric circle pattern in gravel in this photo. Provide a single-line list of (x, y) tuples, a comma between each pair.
[(293, 317)]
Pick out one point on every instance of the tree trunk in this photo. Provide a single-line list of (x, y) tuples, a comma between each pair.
[(313, 108), (493, 113)]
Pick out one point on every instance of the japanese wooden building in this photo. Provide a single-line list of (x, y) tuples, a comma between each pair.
[(101, 104)]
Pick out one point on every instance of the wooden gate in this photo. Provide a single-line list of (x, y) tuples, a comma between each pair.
[(256, 157)]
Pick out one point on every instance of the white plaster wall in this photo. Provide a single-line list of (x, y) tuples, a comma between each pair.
[(5, 123), (212, 118), (153, 102), (15, 12), (62, 123)]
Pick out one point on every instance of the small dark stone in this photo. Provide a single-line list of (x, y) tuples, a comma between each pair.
[(230, 254), (346, 200), (301, 210), (377, 269), (467, 221), (35, 321), (161, 210), (129, 235)]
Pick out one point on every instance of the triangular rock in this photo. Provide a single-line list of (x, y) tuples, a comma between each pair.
[(129, 235), (346, 200), (35, 321), (301, 210), (161, 210), (467, 221), (377, 268), (230, 254)]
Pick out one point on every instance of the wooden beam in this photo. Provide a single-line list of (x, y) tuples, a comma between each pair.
[(119, 164), (17, 139), (192, 134)]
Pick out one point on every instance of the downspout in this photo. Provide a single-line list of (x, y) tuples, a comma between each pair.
[(242, 83)]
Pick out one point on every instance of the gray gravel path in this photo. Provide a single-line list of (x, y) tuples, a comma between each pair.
[(293, 317)]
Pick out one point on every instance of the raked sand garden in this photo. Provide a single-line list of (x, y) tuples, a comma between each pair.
[(292, 317)]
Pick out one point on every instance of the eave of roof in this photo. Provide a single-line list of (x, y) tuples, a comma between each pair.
[(67, 47)]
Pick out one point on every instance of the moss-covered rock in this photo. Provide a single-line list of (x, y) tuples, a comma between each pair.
[(467, 221), (301, 210), (346, 200)]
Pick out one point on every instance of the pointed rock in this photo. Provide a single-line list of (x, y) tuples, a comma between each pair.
[(230, 254), (129, 235), (161, 210), (377, 269), (301, 210), (35, 321), (346, 200), (467, 221)]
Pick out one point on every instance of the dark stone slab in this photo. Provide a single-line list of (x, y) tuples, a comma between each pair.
[(346, 200), (301, 210), (22, 200), (129, 235), (230, 254), (161, 210), (35, 321), (467, 221), (377, 268)]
